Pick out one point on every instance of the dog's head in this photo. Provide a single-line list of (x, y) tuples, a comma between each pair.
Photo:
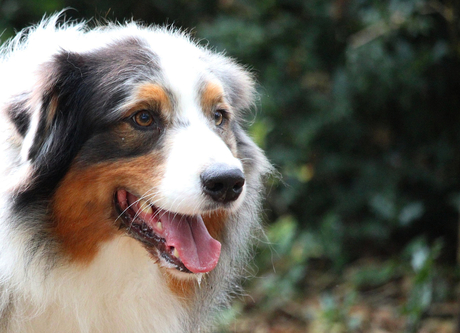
[(137, 131)]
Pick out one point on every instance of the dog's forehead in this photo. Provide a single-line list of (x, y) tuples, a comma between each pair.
[(184, 73)]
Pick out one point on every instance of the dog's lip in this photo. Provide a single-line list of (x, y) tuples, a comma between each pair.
[(181, 240)]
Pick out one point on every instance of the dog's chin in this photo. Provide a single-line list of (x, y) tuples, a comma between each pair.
[(178, 242)]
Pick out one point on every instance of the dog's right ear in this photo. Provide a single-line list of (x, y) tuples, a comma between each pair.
[(31, 112), (43, 117), (50, 121)]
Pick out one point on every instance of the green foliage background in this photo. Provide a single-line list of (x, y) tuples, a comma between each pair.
[(359, 112)]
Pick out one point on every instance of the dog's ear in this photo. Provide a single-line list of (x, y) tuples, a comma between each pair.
[(49, 121)]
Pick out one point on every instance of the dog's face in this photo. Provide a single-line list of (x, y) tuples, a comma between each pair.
[(139, 137)]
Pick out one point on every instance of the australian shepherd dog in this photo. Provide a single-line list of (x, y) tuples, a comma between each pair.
[(130, 192)]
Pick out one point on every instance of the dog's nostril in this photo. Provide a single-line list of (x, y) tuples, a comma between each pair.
[(222, 183), (238, 186)]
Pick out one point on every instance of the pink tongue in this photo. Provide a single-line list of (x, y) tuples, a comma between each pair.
[(198, 251)]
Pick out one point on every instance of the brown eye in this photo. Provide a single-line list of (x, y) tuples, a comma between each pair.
[(143, 118), (219, 117)]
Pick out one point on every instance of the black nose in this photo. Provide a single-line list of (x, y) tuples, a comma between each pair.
[(223, 183)]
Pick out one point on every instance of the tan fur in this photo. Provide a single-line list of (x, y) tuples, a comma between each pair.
[(153, 97), (83, 204), (212, 97)]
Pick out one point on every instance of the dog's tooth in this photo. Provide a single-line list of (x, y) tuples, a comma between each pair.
[(159, 226), (176, 253), (145, 207)]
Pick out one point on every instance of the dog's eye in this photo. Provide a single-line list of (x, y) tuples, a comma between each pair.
[(143, 118), (219, 117)]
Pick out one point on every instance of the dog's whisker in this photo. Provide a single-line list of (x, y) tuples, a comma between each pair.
[(130, 206)]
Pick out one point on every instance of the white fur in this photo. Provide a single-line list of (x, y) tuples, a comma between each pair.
[(181, 189), (82, 299)]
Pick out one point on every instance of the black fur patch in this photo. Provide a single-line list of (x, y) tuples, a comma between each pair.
[(111, 143), (85, 90)]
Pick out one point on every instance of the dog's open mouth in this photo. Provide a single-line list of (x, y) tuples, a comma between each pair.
[(181, 241)]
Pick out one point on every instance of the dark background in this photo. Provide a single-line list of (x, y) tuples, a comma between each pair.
[(359, 112)]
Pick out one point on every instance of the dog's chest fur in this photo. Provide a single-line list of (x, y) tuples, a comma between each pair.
[(75, 299)]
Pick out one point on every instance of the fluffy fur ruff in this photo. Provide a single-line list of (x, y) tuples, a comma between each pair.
[(96, 122)]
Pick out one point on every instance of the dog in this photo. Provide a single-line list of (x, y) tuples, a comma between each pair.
[(131, 193)]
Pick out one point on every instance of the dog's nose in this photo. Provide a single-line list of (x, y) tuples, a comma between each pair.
[(223, 183)]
